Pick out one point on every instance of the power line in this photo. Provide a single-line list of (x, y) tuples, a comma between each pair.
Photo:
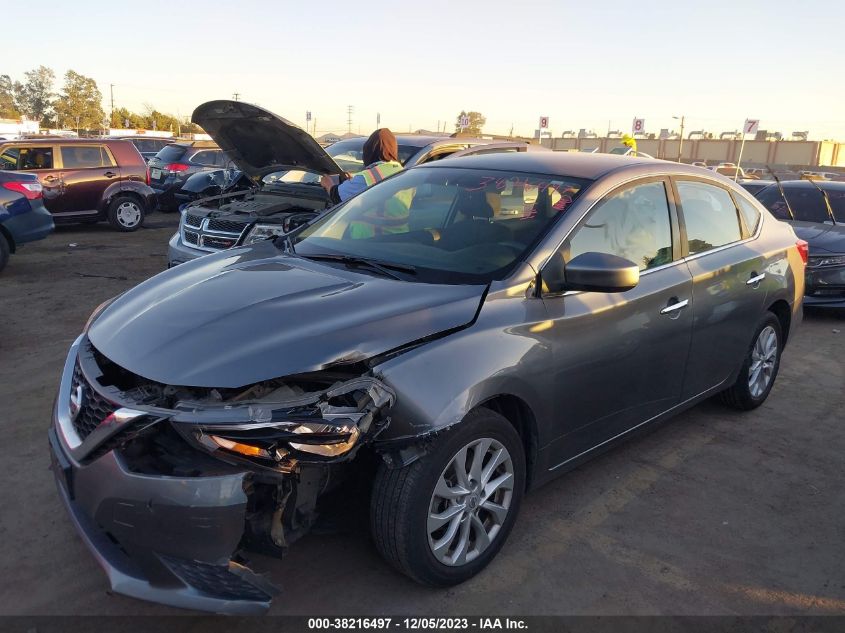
[(349, 110)]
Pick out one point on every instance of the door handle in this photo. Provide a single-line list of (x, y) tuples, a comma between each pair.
[(673, 307), (109, 174), (755, 279)]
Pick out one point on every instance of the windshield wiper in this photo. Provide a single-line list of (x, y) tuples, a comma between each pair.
[(373, 264)]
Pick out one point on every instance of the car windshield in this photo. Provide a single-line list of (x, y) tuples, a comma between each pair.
[(349, 156), (450, 225)]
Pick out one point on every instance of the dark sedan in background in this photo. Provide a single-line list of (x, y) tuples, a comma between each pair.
[(148, 146), (458, 334), (23, 217), (816, 210)]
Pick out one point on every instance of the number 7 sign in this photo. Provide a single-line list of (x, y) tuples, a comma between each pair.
[(751, 126)]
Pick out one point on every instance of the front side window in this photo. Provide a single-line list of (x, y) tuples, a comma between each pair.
[(633, 223), (709, 214), (452, 225), (26, 158)]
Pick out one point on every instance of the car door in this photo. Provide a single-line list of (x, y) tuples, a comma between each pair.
[(620, 357), (39, 160), (728, 281), (87, 170)]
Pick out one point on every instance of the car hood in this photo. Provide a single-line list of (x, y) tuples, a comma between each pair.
[(260, 142), (828, 238), (250, 314)]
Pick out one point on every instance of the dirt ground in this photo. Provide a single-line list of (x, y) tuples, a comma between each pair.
[(713, 513)]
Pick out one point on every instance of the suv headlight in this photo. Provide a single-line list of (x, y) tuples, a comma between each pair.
[(820, 262), (262, 232)]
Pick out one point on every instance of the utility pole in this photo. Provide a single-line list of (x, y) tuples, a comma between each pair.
[(681, 143), (111, 114), (236, 96), (349, 110)]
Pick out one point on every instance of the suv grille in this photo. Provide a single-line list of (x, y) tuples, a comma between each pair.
[(193, 220), (226, 226), (94, 408), (210, 234)]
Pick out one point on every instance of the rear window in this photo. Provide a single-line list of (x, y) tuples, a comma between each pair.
[(807, 204), (837, 203), (171, 153), (86, 156)]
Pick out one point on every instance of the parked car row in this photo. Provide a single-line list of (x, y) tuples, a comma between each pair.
[(276, 186)]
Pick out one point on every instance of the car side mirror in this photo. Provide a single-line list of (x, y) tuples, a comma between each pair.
[(592, 272)]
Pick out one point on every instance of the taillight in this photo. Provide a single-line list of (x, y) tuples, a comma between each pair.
[(148, 176), (803, 250), (31, 190), (174, 168)]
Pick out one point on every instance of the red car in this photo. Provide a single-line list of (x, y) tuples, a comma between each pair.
[(86, 180)]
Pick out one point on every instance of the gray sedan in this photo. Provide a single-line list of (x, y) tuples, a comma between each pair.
[(461, 333)]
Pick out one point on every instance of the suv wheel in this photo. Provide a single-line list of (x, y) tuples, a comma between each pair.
[(443, 518), (126, 213), (760, 368), (4, 251)]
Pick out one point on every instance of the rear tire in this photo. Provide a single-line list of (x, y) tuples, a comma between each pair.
[(126, 214), (410, 505), (760, 367), (4, 251)]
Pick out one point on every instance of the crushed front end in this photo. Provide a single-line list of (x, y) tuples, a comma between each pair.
[(171, 486)]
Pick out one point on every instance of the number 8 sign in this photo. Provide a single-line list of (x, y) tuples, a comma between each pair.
[(638, 127)]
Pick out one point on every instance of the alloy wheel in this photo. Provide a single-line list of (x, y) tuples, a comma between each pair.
[(470, 502), (763, 358)]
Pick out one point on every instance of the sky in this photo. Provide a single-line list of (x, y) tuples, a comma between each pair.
[(586, 64)]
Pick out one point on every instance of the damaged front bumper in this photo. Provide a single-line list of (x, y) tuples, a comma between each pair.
[(178, 536)]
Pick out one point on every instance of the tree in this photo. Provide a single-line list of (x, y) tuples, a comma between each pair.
[(80, 104), (35, 96), (123, 118), (476, 122), (8, 110)]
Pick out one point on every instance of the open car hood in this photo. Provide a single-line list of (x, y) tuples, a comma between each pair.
[(260, 142)]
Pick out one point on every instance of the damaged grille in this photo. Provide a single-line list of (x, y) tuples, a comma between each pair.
[(193, 220), (214, 580), (93, 408), (191, 237)]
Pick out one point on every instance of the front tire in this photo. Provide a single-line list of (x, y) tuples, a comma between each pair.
[(443, 518), (760, 368), (126, 214)]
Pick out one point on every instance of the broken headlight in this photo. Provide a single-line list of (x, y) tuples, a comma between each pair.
[(272, 441), (262, 232)]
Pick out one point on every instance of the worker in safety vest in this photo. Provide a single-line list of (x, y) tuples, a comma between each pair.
[(381, 159)]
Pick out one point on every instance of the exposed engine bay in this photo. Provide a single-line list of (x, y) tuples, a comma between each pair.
[(289, 204)]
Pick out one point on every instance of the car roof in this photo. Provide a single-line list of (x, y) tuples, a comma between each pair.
[(832, 185), (574, 164)]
